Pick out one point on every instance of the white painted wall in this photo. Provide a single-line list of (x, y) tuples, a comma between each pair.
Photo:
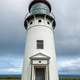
[(40, 31)]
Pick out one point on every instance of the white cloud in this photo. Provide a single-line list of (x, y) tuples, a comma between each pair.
[(16, 70), (69, 66)]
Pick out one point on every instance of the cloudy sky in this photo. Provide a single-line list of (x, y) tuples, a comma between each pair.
[(13, 34)]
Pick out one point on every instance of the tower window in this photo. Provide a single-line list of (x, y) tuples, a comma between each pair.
[(39, 20), (30, 22), (39, 44), (48, 22)]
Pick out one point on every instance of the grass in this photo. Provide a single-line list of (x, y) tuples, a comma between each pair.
[(69, 78), (60, 78), (20, 79), (10, 79)]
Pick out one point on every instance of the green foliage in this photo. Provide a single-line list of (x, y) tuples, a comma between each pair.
[(8, 78), (60, 78), (68, 78)]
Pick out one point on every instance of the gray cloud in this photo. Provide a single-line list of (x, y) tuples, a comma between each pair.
[(13, 34), (67, 30)]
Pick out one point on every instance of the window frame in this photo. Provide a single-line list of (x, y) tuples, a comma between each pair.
[(40, 44)]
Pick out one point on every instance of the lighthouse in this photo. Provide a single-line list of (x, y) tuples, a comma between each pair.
[(40, 57)]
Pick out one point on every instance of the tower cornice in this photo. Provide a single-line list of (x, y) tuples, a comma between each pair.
[(30, 17)]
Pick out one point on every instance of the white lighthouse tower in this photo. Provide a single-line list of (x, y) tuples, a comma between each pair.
[(39, 58)]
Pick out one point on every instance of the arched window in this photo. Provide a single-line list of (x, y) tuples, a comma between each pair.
[(39, 21), (31, 22)]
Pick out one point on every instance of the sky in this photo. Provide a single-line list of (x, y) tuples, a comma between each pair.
[(13, 35)]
